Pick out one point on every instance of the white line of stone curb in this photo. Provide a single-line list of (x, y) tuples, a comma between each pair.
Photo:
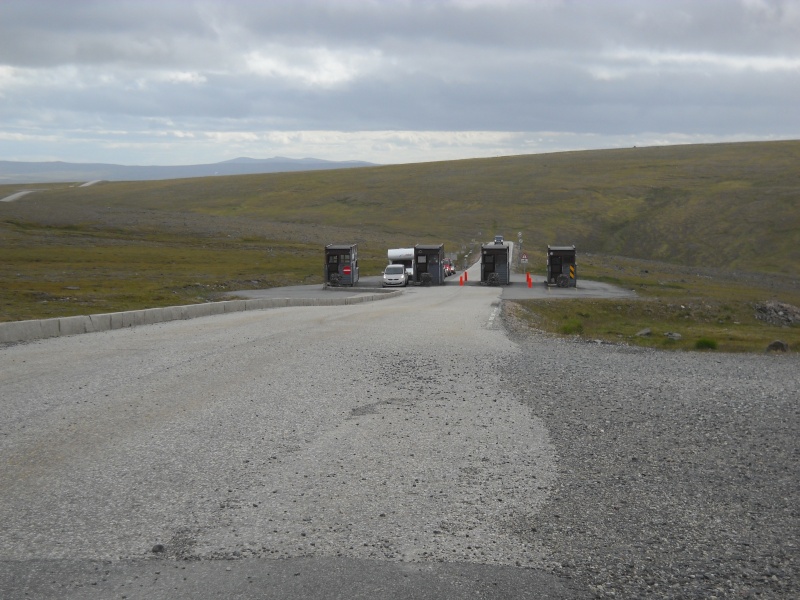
[(23, 331)]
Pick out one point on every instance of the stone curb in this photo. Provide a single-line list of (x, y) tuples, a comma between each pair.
[(24, 331)]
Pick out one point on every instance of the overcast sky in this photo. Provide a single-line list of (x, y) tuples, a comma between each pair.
[(389, 81)]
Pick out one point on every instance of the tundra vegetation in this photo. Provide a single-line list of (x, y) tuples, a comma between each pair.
[(702, 233)]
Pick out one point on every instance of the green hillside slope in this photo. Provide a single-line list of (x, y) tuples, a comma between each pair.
[(723, 206)]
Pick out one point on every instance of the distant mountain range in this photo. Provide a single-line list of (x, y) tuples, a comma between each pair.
[(52, 172)]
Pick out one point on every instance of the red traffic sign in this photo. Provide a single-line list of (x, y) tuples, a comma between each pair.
[(346, 270)]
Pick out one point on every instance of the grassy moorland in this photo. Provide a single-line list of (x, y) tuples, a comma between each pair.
[(728, 211), (709, 310)]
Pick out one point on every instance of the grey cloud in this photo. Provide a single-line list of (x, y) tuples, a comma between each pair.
[(716, 67), (95, 32), (191, 31)]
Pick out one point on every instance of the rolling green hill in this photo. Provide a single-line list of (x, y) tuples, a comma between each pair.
[(722, 207)]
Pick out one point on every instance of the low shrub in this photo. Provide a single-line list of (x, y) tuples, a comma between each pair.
[(571, 327), (705, 344)]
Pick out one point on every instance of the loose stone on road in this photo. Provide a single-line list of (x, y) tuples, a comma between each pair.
[(376, 434)]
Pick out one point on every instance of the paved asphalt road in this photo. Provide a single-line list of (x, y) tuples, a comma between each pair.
[(359, 451)]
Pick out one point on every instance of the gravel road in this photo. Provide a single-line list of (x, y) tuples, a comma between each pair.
[(678, 473), (419, 430)]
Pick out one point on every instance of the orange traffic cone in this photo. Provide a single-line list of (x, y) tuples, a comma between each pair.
[(461, 280)]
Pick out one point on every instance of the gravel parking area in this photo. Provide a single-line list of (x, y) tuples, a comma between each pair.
[(677, 472)]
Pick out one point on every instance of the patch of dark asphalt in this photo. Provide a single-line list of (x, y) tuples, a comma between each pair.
[(308, 578)]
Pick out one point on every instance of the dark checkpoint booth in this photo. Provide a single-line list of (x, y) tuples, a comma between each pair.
[(496, 264), (429, 259), (562, 267), (341, 264)]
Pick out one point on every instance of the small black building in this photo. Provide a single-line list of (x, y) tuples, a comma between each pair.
[(341, 264), (496, 264), (562, 266), (429, 259)]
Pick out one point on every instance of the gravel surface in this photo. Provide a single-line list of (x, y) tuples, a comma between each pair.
[(374, 432), (677, 472), (425, 429)]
